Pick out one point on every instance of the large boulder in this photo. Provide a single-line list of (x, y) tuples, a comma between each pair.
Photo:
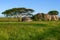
[(50, 17), (54, 17), (40, 16), (47, 17), (26, 19)]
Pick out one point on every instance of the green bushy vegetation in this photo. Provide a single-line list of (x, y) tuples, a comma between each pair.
[(43, 30)]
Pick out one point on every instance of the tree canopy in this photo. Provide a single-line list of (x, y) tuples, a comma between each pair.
[(18, 11), (54, 12)]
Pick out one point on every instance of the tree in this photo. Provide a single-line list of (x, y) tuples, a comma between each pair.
[(29, 11), (7, 13), (19, 12), (53, 12)]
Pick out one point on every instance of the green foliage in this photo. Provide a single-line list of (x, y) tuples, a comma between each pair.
[(17, 11), (47, 30), (53, 12)]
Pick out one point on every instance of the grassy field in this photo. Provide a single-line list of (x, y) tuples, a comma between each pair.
[(8, 19), (43, 30)]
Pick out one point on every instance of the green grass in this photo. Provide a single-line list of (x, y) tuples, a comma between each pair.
[(42, 30)]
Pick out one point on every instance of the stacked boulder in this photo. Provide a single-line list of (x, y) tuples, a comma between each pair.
[(26, 19)]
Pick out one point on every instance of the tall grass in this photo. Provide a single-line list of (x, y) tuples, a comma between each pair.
[(8, 19), (48, 30)]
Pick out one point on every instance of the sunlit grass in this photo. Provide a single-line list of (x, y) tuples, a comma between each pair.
[(42, 30)]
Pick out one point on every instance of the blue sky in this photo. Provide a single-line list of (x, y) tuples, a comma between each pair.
[(38, 5)]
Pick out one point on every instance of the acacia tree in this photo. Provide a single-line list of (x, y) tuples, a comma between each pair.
[(19, 12), (54, 12)]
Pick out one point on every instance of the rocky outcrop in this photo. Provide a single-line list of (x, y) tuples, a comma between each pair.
[(47, 17), (54, 17), (26, 19)]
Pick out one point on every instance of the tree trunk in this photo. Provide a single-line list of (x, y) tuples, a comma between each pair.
[(18, 19)]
